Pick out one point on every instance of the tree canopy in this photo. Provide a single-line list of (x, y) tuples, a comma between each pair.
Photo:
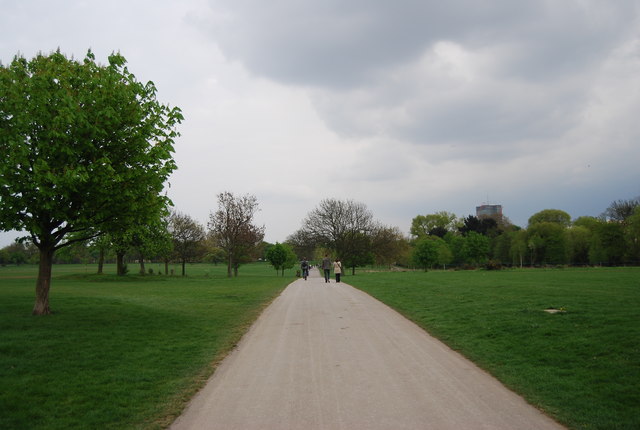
[(281, 257), (437, 224), (551, 215), (343, 226), (426, 251), (187, 235), (87, 149)]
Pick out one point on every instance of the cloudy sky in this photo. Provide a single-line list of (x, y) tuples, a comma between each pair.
[(408, 106)]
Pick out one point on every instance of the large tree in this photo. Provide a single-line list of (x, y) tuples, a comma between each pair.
[(345, 227), (87, 149), (233, 229)]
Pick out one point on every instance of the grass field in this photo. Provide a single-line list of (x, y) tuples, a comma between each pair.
[(119, 353), (128, 352), (580, 365)]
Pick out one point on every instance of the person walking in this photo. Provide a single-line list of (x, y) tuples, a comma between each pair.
[(337, 269), (304, 266), (326, 267)]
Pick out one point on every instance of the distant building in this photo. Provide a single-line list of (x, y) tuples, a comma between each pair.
[(489, 211)]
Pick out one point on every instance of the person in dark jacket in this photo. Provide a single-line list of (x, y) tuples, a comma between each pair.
[(326, 267), (304, 266)]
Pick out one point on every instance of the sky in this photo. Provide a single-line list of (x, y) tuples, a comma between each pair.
[(408, 106)]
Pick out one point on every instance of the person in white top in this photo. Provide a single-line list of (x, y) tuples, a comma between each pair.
[(337, 269)]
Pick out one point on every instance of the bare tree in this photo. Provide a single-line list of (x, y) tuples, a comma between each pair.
[(187, 235), (301, 243), (233, 229), (620, 210)]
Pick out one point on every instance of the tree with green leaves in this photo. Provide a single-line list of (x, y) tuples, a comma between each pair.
[(548, 242), (476, 248), (578, 239), (281, 257), (445, 256), (609, 244), (102, 244), (87, 149), (632, 236), (426, 252), (436, 224), (518, 247), (187, 235), (556, 216)]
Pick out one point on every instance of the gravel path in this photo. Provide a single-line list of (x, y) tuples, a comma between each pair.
[(327, 356)]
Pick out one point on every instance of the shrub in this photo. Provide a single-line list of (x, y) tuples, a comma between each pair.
[(493, 265)]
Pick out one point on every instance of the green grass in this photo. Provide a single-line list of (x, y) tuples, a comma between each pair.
[(127, 353), (581, 366), (119, 352)]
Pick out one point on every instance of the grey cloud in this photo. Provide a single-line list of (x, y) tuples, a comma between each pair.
[(495, 118), (490, 113), (341, 44), (369, 66)]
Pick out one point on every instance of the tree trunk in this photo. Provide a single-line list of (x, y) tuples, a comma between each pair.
[(120, 263), (142, 269), (43, 282), (183, 264), (229, 265), (166, 266), (101, 261)]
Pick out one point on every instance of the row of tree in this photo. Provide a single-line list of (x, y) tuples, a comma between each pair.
[(231, 237), (550, 238), (347, 230)]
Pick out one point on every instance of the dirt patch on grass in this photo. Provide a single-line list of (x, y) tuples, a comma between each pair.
[(555, 311)]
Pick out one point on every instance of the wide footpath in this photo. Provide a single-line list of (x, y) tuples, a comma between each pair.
[(328, 356)]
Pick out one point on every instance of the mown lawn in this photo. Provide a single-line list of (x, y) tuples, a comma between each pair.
[(581, 366), (119, 352), (129, 352)]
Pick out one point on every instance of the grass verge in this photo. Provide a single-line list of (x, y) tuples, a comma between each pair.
[(119, 352), (580, 365)]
